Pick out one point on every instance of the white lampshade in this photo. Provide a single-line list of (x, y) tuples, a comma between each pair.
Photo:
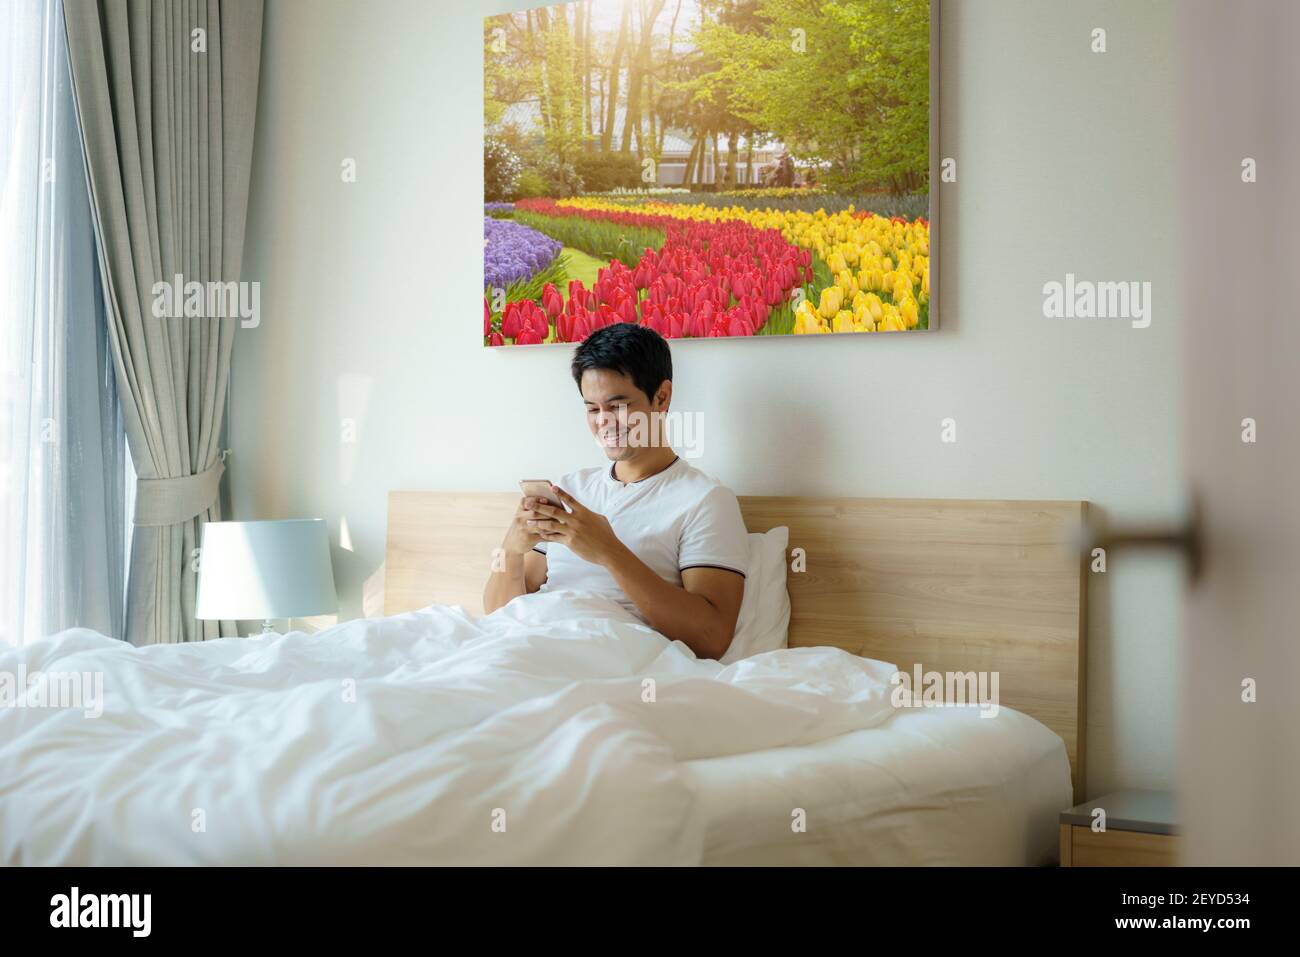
[(265, 570)]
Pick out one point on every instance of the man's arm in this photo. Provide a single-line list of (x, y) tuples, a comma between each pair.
[(701, 613), (522, 570)]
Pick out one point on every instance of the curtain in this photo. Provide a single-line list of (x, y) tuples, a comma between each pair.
[(166, 94), (63, 474)]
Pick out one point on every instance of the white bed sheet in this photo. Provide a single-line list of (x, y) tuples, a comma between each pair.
[(554, 731), (933, 786)]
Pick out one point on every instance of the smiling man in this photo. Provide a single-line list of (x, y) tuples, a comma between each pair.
[(649, 530)]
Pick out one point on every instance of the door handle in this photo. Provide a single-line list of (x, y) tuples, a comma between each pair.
[(1185, 538)]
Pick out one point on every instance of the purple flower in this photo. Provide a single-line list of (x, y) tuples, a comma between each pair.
[(514, 253)]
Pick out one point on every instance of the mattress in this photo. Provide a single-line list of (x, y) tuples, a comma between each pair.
[(931, 786)]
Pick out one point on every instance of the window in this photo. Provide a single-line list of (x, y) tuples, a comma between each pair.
[(63, 460)]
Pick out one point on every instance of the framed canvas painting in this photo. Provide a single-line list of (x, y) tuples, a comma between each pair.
[(755, 168)]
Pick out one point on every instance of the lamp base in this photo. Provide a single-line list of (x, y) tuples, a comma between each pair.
[(267, 630)]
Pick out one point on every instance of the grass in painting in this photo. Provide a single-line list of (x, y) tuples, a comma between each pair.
[(586, 269), (603, 240)]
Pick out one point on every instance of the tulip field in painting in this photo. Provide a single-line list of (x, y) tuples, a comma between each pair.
[(708, 168)]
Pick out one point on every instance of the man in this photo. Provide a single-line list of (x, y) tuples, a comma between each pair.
[(650, 531)]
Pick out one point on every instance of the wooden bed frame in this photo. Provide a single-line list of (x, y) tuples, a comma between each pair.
[(951, 585)]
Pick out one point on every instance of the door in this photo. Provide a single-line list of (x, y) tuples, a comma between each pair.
[(1239, 792)]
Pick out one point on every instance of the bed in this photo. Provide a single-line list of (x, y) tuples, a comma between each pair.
[(950, 585), (931, 787), (560, 730)]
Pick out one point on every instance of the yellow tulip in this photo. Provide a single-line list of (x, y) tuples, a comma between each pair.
[(832, 299), (805, 314)]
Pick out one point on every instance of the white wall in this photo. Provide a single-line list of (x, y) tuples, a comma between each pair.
[(371, 311)]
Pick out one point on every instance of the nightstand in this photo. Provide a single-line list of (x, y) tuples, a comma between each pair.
[(1140, 832)]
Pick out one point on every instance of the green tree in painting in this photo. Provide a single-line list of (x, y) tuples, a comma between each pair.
[(533, 58), (890, 41), (845, 83), (717, 86)]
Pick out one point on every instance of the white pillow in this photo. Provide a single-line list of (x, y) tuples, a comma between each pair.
[(764, 620)]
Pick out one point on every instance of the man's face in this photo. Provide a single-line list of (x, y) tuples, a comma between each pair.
[(622, 419)]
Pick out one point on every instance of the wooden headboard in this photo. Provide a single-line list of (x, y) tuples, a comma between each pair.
[(953, 585)]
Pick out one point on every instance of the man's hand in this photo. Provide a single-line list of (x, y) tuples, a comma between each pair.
[(587, 534), (523, 569), (521, 536), (701, 613)]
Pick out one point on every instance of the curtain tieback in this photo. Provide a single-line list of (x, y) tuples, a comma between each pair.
[(167, 501)]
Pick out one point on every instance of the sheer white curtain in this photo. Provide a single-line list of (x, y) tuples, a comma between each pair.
[(63, 472)]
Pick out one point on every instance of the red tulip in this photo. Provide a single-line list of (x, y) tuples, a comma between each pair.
[(643, 275), (552, 301), (530, 335), (579, 328), (511, 321), (774, 293)]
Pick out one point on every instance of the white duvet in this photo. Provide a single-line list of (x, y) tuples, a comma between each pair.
[(551, 732)]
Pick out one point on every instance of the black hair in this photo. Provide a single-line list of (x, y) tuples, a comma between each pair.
[(637, 352)]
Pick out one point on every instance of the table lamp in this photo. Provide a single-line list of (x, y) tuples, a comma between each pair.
[(265, 570)]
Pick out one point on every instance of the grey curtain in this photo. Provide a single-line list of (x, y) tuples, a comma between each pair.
[(168, 131)]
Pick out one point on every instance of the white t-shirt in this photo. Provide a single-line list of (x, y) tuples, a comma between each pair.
[(676, 519)]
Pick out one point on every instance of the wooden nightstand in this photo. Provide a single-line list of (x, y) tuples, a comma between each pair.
[(1140, 832)]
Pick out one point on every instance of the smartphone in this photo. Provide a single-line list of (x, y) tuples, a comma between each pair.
[(538, 488)]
